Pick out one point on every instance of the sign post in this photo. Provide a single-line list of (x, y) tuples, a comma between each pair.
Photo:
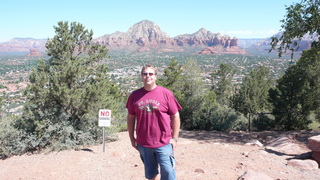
[(104, 121)]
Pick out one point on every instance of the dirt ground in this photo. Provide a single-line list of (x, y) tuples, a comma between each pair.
[(200, 155)]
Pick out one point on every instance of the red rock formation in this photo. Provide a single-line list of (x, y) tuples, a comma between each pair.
[(23, 45), (34, 52), (209, 50), (219, 49), (143, 49), (147, 36)]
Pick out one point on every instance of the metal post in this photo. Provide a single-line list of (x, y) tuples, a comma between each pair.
[(104, 140), (249, 123)]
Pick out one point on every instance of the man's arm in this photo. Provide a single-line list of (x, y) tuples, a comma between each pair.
[(131, 122), (175, 125)]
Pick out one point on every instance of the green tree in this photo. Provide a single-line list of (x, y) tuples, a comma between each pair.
[(66, 92), (1, 103), (289, 98), (224, 87), (301, 19), (186, 84), (254, 92), (309, 64), (193, 91), (171, 75), (172, 79)]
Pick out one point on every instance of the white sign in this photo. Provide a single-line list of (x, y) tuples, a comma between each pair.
[(104, 117)]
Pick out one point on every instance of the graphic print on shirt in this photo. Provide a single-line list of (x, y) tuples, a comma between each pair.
[(149, 105)]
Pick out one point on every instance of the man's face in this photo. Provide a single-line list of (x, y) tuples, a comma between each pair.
[(148, 76)]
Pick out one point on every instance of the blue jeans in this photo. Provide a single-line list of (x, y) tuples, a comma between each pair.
[(153, 157)]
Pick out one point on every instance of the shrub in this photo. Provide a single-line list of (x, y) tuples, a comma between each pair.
[(221, 118), (12, 140), (263, 122)]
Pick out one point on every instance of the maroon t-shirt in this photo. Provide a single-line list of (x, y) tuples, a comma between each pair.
[(153, 110)]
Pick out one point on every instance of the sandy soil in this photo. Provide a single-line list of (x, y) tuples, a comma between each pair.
[(200, 155)]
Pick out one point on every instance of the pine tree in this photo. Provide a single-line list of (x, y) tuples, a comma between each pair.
[(186, 84), (171, 75), (289, 98), (66, 92), (254, 93), (301, 19), (224, 88)]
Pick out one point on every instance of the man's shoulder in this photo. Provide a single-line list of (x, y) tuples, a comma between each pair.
[(163, 89), (137, 90)]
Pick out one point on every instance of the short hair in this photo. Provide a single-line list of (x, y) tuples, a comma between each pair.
[(149, 66)]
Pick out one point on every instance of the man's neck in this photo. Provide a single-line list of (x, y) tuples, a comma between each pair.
[(149, 87)]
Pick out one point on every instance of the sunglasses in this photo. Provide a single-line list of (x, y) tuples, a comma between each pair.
[(150, 74)]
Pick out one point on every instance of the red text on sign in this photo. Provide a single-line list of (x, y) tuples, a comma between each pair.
[(104, 113)]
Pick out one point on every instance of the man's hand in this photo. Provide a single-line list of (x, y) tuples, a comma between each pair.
[(134, 144), (131, 121), (174, 143)]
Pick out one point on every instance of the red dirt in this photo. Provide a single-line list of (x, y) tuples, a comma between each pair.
[(200, 155)]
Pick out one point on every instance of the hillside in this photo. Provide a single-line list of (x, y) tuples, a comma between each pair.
[(200, 155)]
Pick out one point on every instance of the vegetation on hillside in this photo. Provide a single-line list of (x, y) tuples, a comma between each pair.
[(66, 91)]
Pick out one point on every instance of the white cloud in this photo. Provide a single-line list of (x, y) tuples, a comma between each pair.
[(240, 32), (269, 32), (250, 34)]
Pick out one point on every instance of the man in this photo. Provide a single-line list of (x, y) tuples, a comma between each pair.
[(153, 125)]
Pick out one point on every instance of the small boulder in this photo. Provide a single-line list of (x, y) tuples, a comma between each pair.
[(314, 143), (198, 170), (252, 175), (303, 164), (255, 143), (287, 145), (316, 156)]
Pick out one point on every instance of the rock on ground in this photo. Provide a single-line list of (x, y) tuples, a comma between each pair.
[(200, 155)]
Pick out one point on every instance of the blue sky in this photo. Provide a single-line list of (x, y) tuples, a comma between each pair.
[(240, 18)]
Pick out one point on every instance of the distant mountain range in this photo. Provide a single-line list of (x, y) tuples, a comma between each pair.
[(147, 36)]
